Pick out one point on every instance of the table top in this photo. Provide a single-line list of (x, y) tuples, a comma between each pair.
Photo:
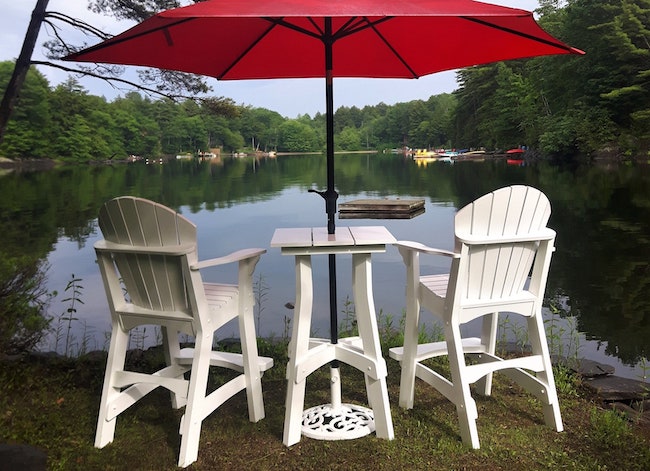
[(346, 239)]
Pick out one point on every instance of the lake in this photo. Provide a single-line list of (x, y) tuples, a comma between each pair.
[(598, 288)]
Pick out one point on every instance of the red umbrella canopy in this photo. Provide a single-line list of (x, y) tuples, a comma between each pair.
[(257, 39)]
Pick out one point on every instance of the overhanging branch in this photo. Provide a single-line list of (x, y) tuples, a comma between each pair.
[(111, 81), (75, 23)]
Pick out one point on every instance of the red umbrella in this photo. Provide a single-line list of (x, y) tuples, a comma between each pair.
[(260, 39)]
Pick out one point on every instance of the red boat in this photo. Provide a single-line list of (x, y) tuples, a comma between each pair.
[(515, 156)]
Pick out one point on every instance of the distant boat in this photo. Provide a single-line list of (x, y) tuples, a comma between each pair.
[(425, 154), (515, 151), (473, 155), (515, 156), (473, 152), (448, 155)]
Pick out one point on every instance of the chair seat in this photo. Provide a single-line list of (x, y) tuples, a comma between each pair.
[(437, 284)]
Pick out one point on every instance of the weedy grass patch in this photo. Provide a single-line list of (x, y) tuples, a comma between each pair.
[(52, 403)]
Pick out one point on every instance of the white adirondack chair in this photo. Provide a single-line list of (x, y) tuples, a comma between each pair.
[(150, 270), (500, 238)]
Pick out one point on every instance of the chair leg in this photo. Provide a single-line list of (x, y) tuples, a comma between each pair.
[(247, 334), (251, 365), (411, 331), (408, 364), (489, 340), (465, 405), (551, 404), (190, 428), (115, 362), (172, 349)]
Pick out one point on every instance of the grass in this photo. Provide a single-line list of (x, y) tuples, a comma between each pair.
[(51, 403)]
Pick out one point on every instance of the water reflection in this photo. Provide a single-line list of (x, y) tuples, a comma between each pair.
[(599, 273)]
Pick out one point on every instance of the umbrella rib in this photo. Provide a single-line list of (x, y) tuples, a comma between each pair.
[(316, 25), (352, 26), (110, 43), (282, 22), (519, 33), (246, 51), (357, 24), (360, 24), (389, 46)]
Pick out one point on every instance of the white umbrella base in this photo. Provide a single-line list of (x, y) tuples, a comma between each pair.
[(345, 422)]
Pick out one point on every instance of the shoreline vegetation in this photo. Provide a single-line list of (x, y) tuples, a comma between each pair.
[(36, 164)]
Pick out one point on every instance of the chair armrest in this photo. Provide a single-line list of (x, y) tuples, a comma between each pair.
[(418, 247), (544, 234), (106, 246), (230, 258)]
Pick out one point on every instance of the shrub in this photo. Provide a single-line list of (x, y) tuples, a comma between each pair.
[(23, 299)]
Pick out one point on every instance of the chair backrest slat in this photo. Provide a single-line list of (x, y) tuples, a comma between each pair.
[(499, 270), (154, 282)]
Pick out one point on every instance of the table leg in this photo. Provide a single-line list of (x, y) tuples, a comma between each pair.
[(369, 332), (298, 347)]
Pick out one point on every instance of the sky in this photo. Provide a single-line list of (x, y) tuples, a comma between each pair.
[(290, 98)]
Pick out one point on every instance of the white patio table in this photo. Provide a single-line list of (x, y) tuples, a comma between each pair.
[(335, 421)]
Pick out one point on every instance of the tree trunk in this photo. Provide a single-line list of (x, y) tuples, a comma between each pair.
[(22, 66)]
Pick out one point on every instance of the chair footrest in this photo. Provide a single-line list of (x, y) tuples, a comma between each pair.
[(434, 349), (233, 361)]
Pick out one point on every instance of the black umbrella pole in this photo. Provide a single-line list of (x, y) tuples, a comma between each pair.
[(330, 195), (330, 200), (333, 313)]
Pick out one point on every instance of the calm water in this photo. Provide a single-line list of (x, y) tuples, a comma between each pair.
[(599, 281)]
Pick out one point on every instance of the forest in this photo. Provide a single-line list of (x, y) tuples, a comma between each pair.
[(595, 105)]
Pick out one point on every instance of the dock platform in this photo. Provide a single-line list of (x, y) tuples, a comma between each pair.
[(381, 209)]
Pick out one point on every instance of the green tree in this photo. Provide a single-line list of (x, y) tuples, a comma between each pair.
[(476, 86), (260, 127), (26, 134), (72, 136), (296, 136), (610, 82), (348, 139)]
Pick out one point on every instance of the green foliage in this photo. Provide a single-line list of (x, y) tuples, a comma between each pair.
[(610, 428), (23, 299), (349, 139), (567, 104), (567, 382), (296, 136), (27, 132), (74, 290)]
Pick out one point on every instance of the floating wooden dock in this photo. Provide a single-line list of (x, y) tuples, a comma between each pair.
[(381, 209)]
